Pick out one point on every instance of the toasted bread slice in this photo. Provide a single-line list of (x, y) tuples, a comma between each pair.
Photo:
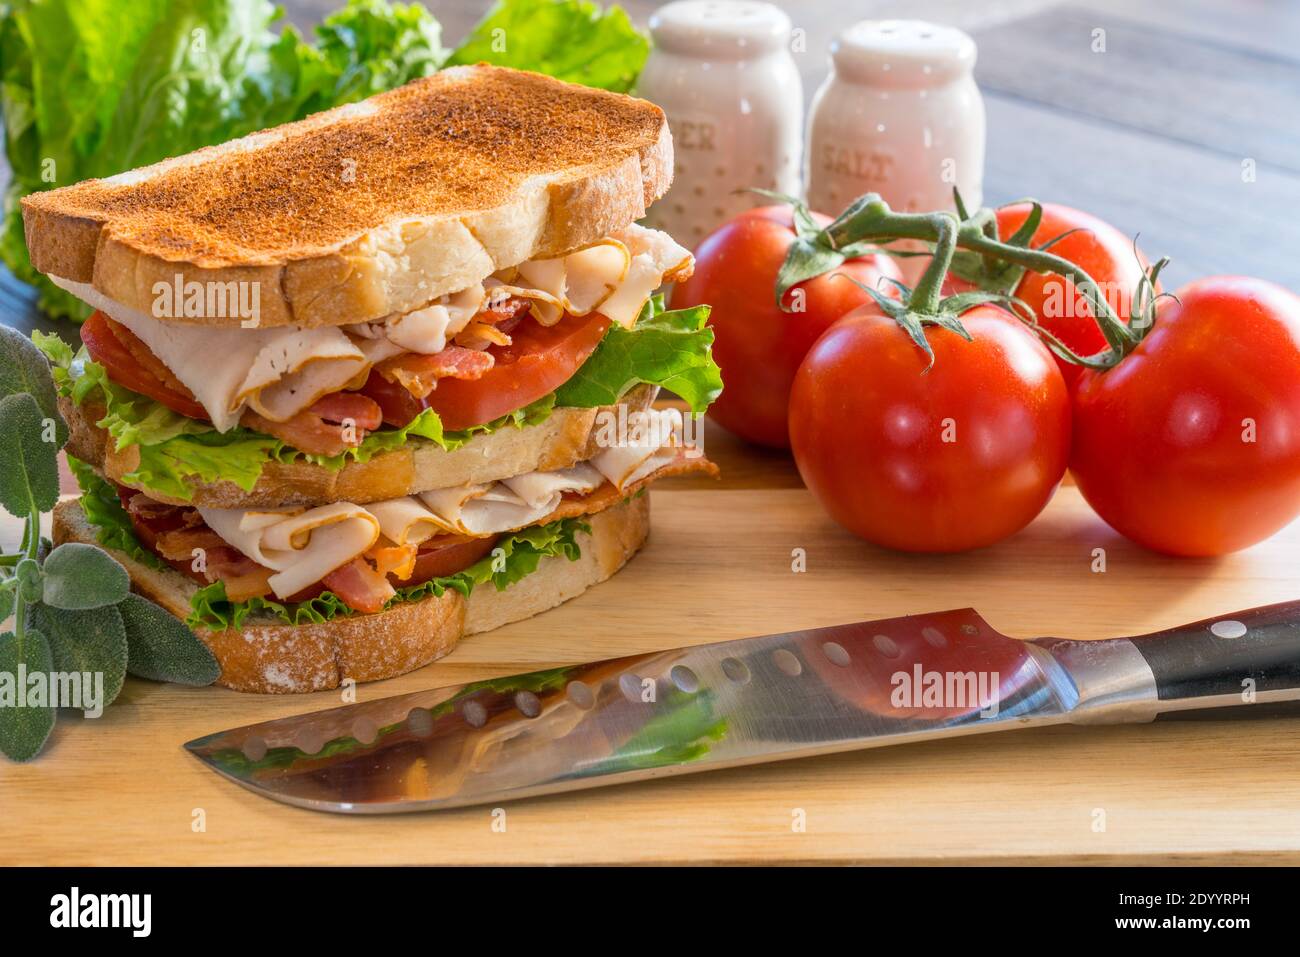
[(270, 657), (372, 208), (567, 436)]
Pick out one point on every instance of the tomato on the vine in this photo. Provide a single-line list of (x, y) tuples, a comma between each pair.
[(757, 345), (1097, 247), (1190, 444), (953, 458)]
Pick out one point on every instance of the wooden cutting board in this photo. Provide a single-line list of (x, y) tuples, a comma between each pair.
[(120, 790)]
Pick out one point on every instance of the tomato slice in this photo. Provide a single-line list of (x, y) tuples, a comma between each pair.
[(538, 361), (437, 560), (124, 369)]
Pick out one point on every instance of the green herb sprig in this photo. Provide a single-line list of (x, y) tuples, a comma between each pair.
[(72, 608)]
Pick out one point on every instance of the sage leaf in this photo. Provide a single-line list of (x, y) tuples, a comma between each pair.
[(81, 576), (162, 648), (29, 470), (88, 640), (23, 731), (24, 368), (8, 588)]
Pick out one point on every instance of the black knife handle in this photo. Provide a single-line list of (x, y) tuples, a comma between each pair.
[(1224, 655)]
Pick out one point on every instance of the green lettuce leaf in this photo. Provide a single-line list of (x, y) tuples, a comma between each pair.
[(104, 511), (672, 349), (513, 557), (89, 88), (574, 40)]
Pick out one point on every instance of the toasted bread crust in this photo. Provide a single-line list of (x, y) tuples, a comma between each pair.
[(269, 657), (561, 440), (371, 208)]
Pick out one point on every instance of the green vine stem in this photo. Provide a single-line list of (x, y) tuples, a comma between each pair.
[(31, 549), (1121, 339), (869, 220)]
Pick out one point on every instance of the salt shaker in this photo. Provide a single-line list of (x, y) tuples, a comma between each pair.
[(723, 73), (899, 115)]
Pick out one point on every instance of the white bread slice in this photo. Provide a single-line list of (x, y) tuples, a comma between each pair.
[(564, 438), (269, 657), (371, 208)]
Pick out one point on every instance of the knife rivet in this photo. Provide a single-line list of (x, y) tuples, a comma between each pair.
[(684, 678), (630, 685), (309, 741), (934, 637), (886, 646), (580, 695), (736, 670), (255, 749), (1228, 629), (969, 630), (420, 722), (836, 654), (787, 662), (365, 730), (529, 705), (474, 713)]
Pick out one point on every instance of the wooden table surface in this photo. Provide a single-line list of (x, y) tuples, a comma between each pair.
[(1150, 135)]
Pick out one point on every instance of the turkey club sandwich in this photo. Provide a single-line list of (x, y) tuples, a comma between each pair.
[(362, 384)]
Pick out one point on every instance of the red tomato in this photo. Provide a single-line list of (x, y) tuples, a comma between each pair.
[(124, 369), (1191, 444), (954, 458), (538, 361), (1100, 249), (757, 346), (437, 559)]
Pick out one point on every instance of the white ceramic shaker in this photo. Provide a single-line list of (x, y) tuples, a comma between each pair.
[(899, 115), (723, 72)]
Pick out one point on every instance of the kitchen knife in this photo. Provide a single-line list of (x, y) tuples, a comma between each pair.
[(747, 701)]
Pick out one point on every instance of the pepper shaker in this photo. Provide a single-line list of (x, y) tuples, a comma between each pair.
[(899, 115), (723, 72)]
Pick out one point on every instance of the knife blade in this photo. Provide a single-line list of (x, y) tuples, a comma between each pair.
[(745, 701)]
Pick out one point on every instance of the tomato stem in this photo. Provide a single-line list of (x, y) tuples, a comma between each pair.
[(869, 219), (1119, 337), (929, 289)]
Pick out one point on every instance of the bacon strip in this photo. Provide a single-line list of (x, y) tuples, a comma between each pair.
[(360, 586), (513, 307), (243, 577), (309, 432), (179, 545), (339, 407), (419, 374)]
